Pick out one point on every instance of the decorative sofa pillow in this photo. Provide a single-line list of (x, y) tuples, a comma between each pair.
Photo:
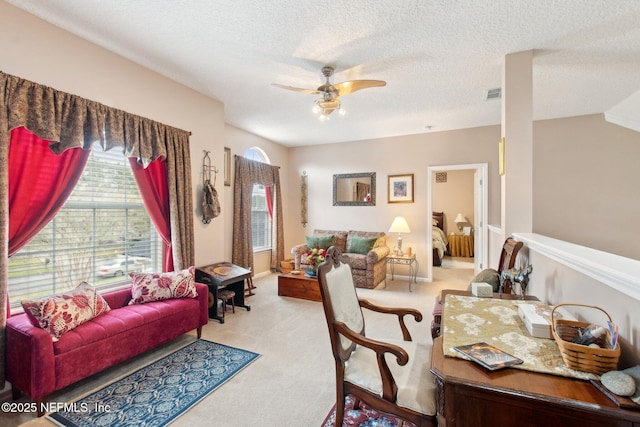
[(148, 287), (61, 313), (361, 245), (323, 242)]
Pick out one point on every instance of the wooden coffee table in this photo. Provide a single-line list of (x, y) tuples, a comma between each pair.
[(299, 286)]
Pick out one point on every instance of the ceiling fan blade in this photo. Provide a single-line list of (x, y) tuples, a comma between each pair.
[(296, 89), (345, 88)]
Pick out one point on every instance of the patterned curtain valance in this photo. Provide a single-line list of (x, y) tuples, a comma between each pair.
[(257, 172), (72, 121)]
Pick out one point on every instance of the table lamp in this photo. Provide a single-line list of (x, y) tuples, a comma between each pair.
[(399, 225), (460, 220)]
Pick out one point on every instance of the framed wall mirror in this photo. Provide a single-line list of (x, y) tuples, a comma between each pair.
[(354, 189)]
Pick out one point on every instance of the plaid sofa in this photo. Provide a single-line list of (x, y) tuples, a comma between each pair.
[(368, 270)]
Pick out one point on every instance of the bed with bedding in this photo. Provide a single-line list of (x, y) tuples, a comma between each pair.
[(440, 242)]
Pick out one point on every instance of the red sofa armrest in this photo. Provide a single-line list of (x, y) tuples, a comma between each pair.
[(30, 365), (118, 298), (203, 302)]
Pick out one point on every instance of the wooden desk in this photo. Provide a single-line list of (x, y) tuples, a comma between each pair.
[(469, 395), (223, 275), (460, 245), (438, 307)]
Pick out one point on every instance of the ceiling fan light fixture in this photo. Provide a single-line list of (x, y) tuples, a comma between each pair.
[(331, 94), (324, 107)]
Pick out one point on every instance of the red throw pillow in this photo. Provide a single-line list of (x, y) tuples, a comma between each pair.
[(58, 314), (148, 287)]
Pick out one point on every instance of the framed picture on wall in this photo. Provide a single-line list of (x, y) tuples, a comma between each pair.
[(400, 188), (227, 166)]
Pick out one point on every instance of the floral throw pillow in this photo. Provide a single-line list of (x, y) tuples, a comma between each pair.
[(61, 313), (148, 287)]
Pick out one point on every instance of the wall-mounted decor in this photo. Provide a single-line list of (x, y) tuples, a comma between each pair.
[(354, 189), (210, 203), (441, 177), (401, 188), (501, 166), (227, 166), (303, 199)]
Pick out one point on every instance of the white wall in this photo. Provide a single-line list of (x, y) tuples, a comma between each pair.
[(555, 283)]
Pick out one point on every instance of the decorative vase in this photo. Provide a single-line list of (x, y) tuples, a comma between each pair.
[(311, 271)]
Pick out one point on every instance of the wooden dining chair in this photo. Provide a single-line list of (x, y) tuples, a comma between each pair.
[(508, 255), (390, 376)]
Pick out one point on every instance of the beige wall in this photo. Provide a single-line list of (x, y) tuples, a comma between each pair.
[(37, 51), (585, 172), (453, 197), (585, 183), (387, 156)]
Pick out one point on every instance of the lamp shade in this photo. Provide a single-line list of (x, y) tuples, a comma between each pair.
[(460, 219), (399, 225)]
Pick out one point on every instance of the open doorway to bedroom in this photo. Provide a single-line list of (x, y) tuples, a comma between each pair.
[(458, 198)]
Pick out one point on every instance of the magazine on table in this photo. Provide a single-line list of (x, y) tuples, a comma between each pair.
[(488, 356)]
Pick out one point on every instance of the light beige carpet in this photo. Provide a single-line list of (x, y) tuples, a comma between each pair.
[(292, 384)]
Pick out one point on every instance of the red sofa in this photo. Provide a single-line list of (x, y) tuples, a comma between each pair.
[(38, 366)]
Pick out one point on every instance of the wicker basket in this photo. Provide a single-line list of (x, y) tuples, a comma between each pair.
[(287, 265), (581, 357)]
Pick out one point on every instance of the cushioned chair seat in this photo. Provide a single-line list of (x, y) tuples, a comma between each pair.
[(416, 384), (399, 382), (508, 255)]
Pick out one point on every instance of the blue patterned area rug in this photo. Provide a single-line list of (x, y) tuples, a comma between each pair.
[(362, 417), (160, 392)]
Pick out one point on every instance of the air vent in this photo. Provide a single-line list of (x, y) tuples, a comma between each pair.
[(493, 94)]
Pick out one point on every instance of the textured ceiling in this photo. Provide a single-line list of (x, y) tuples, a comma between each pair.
[(438, 57)]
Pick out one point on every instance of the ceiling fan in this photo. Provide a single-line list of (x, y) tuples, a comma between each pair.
[(330, 100)]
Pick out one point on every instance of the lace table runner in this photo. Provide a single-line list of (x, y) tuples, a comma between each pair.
[(468, 320)]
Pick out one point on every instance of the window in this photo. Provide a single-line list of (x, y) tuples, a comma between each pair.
[(101, 234), (260, 218)]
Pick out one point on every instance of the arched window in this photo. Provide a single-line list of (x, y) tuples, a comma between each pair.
[(261, 222)]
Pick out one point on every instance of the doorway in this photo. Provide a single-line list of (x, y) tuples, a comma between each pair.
[(480, 211)]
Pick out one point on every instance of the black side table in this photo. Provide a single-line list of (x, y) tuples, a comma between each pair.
[(223, 275)]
